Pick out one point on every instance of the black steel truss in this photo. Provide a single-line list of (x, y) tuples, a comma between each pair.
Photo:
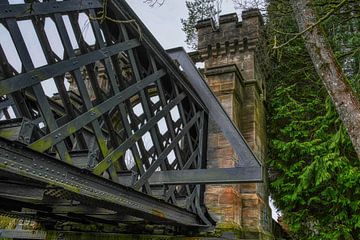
[(125, 136), (100, 129), (246, 156)]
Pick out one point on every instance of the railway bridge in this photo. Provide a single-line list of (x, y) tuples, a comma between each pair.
[(116, 138)]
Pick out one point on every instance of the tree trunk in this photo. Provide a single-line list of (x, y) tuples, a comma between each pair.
[(322, 56)]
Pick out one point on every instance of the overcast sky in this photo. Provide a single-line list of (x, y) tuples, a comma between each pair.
[(164, 22)]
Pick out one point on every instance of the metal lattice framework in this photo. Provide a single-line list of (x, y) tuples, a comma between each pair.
[(107, 142), (96, 131)]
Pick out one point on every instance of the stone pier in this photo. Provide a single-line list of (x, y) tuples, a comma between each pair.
[(236, 69)]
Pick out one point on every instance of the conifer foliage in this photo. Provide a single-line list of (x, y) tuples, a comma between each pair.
[(315, 172), (313, 167)]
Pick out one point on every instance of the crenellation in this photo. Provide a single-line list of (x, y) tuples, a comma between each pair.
[(231, 36), (234, 57)]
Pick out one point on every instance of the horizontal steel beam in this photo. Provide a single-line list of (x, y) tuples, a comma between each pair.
[(207, 176), (92, 189), (20, 11)]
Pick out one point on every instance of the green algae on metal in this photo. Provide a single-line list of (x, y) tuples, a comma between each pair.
[(8, 133), (104, 164), (2, 166), (41, 145), (68, 158)]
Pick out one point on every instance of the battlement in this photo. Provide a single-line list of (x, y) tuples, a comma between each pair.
[(235, 67), (232, 35)]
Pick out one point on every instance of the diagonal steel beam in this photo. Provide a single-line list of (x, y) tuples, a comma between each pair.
[(165, 152), (120, 150), (74, 125), (246, 156), (36, 75)]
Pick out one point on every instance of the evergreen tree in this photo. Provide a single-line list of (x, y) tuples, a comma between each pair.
[(315, 170)]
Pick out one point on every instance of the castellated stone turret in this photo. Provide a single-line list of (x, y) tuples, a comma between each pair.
[(235, 43), (236, 68)]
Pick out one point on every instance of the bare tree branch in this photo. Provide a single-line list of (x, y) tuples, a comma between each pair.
[(311, 27), (152, 3)]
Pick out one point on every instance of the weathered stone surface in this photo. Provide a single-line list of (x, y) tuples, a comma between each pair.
[(234, 70)]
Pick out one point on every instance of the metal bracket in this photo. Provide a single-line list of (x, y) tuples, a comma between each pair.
[(20, 129)]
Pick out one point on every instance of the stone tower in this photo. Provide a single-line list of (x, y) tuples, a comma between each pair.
[(236, 69)]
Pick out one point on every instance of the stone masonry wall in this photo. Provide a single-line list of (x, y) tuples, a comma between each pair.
[(235, 70)]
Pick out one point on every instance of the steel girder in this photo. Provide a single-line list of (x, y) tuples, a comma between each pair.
[(62, 180), (129, 120), (128, 111)]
